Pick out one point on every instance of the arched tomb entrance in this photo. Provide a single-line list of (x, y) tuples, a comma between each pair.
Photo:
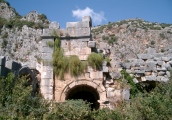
[(86, 90), (86, 93)]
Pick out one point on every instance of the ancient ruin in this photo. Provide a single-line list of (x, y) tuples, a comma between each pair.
[(95, 86)]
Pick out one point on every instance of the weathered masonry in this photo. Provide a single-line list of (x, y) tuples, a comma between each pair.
[(75, 40)]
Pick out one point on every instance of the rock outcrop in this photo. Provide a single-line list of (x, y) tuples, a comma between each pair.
[(6, 11)]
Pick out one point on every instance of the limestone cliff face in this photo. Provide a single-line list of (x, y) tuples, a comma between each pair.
[(7, 11), (127, 38), (21, 42)]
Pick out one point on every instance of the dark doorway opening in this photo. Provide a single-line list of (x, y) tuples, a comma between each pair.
[(86, 93)]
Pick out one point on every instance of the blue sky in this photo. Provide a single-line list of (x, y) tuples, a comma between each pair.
[(101, 11)]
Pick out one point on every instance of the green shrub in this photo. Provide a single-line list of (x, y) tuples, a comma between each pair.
[(152, 42), (76, 67), (5, 35), (50, 44), (162, 35), (3, 21), (112, 40), (105, 37), (4, 43), (69, 110), (42, 17), (134, 88), (107, 59), (95, 60)]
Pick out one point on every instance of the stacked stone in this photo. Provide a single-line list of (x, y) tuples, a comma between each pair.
[(78, 40), (150, 67), (47, 68)]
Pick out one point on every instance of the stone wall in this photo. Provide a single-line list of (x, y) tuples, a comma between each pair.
[(151, 66)]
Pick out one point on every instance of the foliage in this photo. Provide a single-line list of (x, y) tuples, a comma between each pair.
[(4, 43), (107, 59), (16, 101), (152, 42), (106, 114), (4, 1), (112, 40), (60, 62), (105, 37), (134, 88), (5, 35), (162, 35), (154, 105), (42, 17), (50, 44), (76, 67), (95, 60), (3, 21), (69, 110)]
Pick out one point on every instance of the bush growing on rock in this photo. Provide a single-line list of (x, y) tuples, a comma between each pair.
[(95, 60)]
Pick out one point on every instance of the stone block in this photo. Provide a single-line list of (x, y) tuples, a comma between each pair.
[(86, 18), (47, 90), (84, 44), (83, 24), (83, 57), (151, 50), (166, 59), (151, 66), (157, 59), (92, 44), (47, 74), (161, 73), (138, 63), (105, 69), (78, 32), (148, 73), (48, 96), (168, 74), (126, 65), (90, 69), (12, 65), (144, 56), (164, 79), (71, 24), (54, 25), (84, 51), (161, 69), (158, 55), (150, 78), (2, 61), (110, 92), (160, 63), (96, 75), (125, 94), (46, 49), (140, 72), (115, 75), (47, 32), (47, 56), (47, 82), (158, 78)]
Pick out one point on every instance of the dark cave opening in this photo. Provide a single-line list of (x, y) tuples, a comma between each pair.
[(86, 93)]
